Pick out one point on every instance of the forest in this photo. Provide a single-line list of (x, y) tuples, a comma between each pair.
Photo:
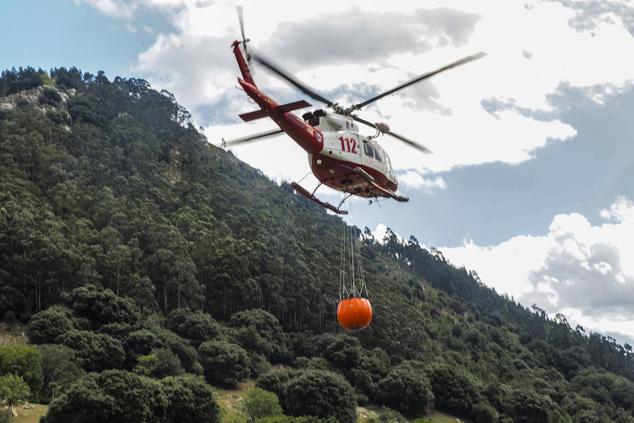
[(150, 268)]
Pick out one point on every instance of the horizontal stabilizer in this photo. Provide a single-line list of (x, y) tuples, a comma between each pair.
[(283, 108), (288, 107), (258, 114)]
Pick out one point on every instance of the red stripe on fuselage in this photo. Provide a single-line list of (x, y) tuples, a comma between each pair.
[(339, 174)]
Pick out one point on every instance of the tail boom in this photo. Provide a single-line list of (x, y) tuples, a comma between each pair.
[(309, 138)]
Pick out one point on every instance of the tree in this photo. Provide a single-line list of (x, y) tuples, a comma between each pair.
[(159, 363), (95, 351), (225, 364), (186, 353), (195, 326), (189, 399), (102, 306), (258, 403), (530, 407), (452, 388), (321, 393), (110, 396), (407, 390), (59, 369), (140, 342), (47, 326), (483, 412), (13, 391), (24, 361), (276, 381), (260, 332)]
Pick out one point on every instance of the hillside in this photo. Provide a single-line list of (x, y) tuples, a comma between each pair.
[(124, 233)]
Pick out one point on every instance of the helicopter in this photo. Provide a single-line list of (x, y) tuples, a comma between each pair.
[(339, 156)]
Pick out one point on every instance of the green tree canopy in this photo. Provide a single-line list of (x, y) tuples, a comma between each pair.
[(321, 393), (13, 391), (189, 399), (225, 364), (258, 403), (94, 351), (198, 327), (110, 396), (24, 361), (260, 332), (407, 390), (59, 369), (47, 326)]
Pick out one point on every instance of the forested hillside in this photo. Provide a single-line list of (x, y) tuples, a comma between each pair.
[(148, 264)]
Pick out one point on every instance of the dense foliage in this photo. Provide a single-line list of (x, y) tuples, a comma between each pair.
[(138, 252)]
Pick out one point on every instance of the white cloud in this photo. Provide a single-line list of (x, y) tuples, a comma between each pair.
[(534, 49), (523, 67), (113, 8), (125, 9), (585, 271), (415, 180)]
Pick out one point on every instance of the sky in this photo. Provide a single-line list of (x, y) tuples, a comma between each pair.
[(530, 180)]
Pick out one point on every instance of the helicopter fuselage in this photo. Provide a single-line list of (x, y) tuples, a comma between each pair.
[(336, 150)]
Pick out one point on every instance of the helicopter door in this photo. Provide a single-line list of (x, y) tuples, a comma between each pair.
[(343, 146), (349, 147)]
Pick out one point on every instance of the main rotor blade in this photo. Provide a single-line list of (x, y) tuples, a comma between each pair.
[(406, 140), (420, 78), (241, 22), (251, 138), (300, 85)]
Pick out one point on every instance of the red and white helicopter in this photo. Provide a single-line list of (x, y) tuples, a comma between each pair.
[(339, 156)]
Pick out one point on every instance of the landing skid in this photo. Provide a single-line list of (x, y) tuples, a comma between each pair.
[(365, 175), (311, 196)]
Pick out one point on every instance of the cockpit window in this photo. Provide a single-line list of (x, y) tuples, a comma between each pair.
[(368, 149)]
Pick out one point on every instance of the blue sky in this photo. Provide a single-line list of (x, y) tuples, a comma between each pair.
[(530, 180), (62, 33)]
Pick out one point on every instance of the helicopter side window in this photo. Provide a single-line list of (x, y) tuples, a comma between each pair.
[(368, 149), (378, 154)]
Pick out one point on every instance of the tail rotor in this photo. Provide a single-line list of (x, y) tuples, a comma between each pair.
[(245, 40)]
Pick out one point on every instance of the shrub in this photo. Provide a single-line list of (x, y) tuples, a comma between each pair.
[(195, 326), (484, 413), (47, 326), (275, 381), (181, 347), (102, 306), (224, 363), (406, 390), (50, 96), (258, 403), (110, 396), (24, 361), (321, 393), (453, 389), (160, 363), (13, 390), (59, 369), (260, 332), (189, 399), (95, 351)]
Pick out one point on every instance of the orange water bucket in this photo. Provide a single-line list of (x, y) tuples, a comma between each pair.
[(354, 313)]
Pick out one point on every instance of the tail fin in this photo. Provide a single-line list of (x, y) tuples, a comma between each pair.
[(242, 64)]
